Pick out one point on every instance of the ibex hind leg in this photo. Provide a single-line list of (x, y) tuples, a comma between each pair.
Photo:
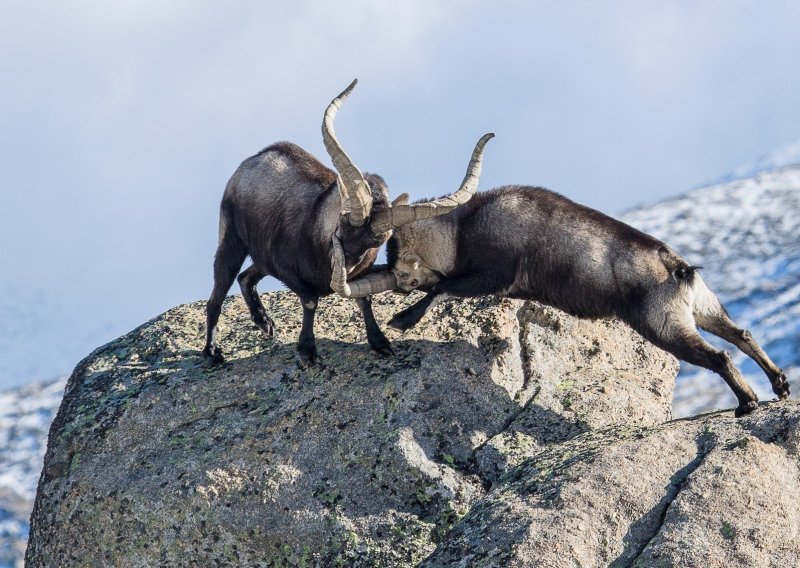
[(248, 281), (689, 346), (712, 317), (669, 324), (231, 253)]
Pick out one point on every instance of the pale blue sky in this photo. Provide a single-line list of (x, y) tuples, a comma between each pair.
[(120, 123)]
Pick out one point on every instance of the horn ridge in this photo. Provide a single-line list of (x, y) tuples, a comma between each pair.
[(401, 214), (356, 194), (364, 286)]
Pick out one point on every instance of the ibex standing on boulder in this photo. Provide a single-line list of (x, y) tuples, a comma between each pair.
[(290, 214), (531, 243)]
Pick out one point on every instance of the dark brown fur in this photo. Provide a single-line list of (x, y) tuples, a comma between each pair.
[(531, 243), (282, 207)]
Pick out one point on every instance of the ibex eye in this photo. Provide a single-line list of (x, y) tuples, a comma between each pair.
[(415, 282)]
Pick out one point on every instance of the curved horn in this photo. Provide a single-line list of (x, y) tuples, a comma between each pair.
[(401, 214), (366, 286), (356, 194)]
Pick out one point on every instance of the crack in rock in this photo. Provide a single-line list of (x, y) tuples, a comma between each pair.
[(523, 318), (524, 315), (677, 484)]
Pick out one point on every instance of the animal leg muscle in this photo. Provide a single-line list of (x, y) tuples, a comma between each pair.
[(307, 345), (722, 326), (411, 316), (711, 316), (377, 340), (463, 286), (248, 281), (687, 344), (230, 255)]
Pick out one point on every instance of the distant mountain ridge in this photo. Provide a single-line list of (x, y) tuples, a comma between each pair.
[(781, 157)]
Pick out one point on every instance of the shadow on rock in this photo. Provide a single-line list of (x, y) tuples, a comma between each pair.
[(156, 459), (360, 455)]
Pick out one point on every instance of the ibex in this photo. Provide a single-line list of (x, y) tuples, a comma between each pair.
[(531, 243), (289, 212)]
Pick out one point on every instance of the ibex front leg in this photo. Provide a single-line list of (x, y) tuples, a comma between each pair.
[(377, 340), (307, 345), (464, 286)]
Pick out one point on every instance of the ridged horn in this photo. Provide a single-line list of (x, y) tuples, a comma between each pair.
[(399, 215), (366, 286), (356, 195)]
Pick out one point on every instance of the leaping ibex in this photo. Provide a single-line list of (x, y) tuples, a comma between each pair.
[(290, 214), (531, 243)]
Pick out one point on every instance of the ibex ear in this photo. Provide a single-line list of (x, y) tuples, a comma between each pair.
[(413, 260), (401, 199)]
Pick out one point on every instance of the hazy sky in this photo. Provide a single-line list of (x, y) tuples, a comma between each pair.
[(120, 123)]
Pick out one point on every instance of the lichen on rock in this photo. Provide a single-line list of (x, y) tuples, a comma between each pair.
[(493, 415)]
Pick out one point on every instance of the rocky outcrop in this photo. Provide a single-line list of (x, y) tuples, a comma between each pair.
[(711, 491), (501, 432)]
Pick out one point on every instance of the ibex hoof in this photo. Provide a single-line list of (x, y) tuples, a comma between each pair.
[(745, 408), (213, 355), (306, 356), (402, 321), (265, 324), (780, 386), (268, 328), (382, 347)]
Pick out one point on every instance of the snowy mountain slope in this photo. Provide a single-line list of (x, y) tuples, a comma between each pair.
[(781, 157), (25, 416), (746, 235)]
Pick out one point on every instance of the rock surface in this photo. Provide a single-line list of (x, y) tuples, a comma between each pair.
[(502, 432), (711, 491)]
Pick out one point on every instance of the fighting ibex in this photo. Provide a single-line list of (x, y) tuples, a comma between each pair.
[(531, 243), (290, 213)]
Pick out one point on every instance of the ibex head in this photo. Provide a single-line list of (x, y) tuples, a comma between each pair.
[(361, 209)]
